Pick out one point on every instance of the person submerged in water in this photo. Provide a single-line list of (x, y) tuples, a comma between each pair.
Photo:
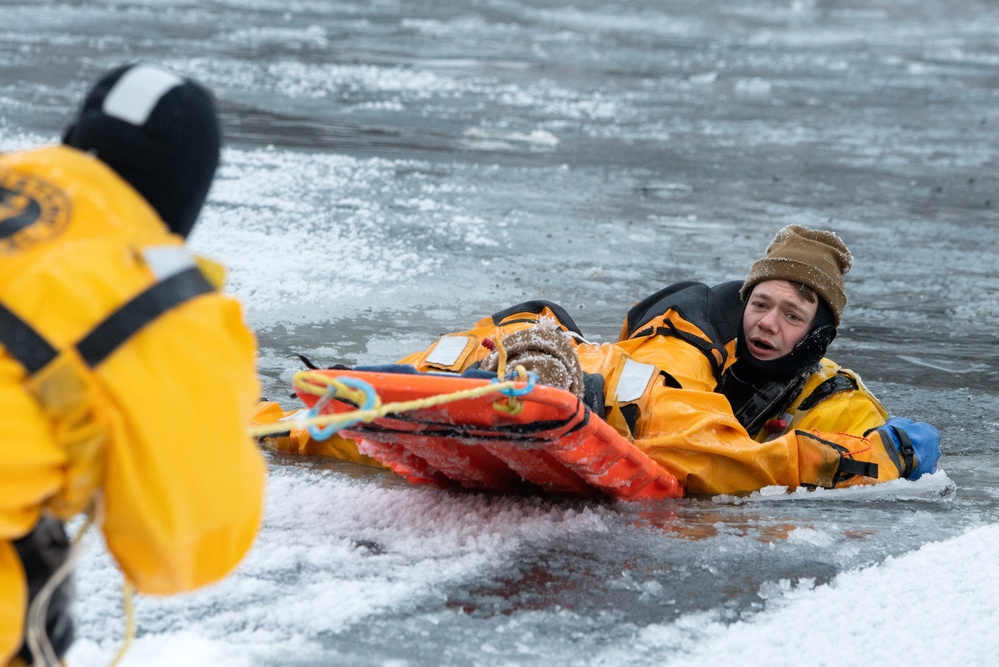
[(726, 387)]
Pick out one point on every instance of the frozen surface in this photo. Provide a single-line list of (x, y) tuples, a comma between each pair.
[(397, 170)]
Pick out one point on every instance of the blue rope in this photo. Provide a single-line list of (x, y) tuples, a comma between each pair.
[(532, 379), (369, 402)]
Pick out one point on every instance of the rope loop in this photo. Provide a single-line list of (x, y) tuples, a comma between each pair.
[(357, 391), (530, 378), (512, 406)]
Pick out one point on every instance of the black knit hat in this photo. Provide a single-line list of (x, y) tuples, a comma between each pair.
[(159, 131)]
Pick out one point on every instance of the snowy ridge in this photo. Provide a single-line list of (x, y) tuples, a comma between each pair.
[(934, 606), (335, 552)]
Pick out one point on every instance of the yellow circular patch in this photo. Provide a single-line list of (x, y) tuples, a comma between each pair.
[(31, 210)]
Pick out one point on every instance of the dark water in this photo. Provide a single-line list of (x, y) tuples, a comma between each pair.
[(453, 158)]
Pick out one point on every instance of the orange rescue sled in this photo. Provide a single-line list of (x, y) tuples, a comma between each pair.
[(554, 443)]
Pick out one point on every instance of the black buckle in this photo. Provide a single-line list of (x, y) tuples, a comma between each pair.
[(907, 451)]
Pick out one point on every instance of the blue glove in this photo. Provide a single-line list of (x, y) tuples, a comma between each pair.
[(917, 444)]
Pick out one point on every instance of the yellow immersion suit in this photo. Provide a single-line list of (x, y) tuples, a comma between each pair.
[(141, 404), (679, 420), (659, 389)]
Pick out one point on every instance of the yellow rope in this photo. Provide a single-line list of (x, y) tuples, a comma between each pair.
[(95, 516), (92, 515), (127, 595), (501, 350), (317, 384), (309, 385), (511, 405), (36, 636)]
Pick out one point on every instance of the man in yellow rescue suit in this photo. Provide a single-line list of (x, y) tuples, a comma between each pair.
[(126, 378), (726, 387)]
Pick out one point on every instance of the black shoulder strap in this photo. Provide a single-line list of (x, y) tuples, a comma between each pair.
[(834, 385), (23, 342), (658, 303), (33, 352), (717, 310), (140, 311), (536, 307), (716, 354)]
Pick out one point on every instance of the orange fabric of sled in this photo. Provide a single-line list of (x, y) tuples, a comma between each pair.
[(555, 443)]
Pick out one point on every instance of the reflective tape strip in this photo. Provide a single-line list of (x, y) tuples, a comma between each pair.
[(168, 260), (633, 381), (137, 92), (296, 416), (448, 349)]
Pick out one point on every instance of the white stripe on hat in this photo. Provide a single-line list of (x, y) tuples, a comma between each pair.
[(137, 92)]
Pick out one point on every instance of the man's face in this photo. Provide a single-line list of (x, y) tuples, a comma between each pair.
[(776, 318)]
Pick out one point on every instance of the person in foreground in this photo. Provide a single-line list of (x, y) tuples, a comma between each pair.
[(113, 336), (726, 387)]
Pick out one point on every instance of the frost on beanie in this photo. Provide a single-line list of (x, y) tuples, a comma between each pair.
[(158, 131), (545, 350), (811, 257)]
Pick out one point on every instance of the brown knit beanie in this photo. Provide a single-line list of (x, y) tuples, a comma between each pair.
[(543, 349), (809, 256)]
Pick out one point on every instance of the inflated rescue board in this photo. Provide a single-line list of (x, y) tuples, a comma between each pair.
[(554, 443)]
